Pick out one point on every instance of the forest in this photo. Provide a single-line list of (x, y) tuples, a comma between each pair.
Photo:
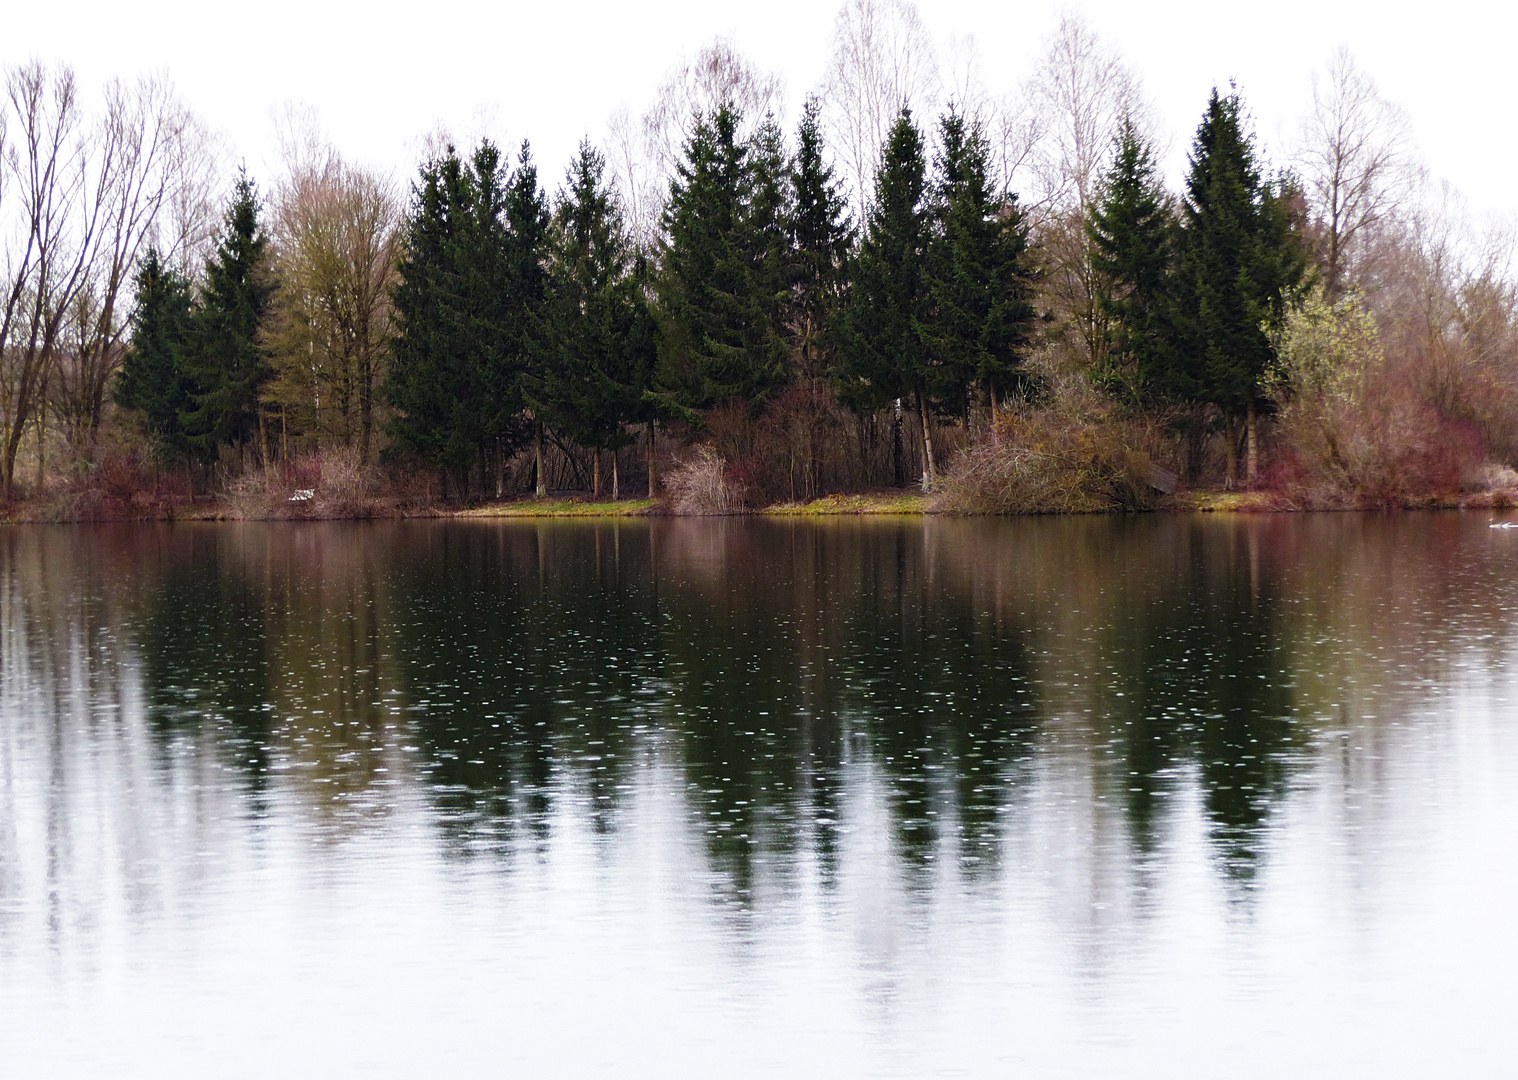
[(998, 302)]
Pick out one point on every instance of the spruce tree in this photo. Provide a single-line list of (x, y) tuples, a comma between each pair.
[(820, 242), (886, 351), (980, 279), (1134, 238), (521, 303), (719, 336), (225, 363), (600, 341), (1241, 259), (451, 378), (767, 238), (151, 380)]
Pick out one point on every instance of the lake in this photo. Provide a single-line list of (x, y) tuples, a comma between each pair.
[(1149, 796)]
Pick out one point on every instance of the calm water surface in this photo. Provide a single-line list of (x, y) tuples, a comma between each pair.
[(1160, 796)]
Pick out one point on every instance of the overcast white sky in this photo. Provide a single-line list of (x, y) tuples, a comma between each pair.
[(382, 74)]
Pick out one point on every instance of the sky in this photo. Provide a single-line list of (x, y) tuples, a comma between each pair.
[(382, 75)]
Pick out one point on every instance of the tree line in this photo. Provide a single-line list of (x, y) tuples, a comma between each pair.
[(843, 303), (519, 317)]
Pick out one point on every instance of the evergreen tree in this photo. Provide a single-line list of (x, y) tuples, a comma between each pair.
[(600, 339), (225, 364), (1241, 258), (521, 303), (718, 303), (1134, 238), (767, 238), (820, 242), (887, 355), (980, 279), (452, 372), (151, 380)]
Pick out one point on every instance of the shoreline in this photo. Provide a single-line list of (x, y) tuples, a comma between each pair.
[(889, 503)]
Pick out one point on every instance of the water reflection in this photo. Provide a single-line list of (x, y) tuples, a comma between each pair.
[(877, 720)]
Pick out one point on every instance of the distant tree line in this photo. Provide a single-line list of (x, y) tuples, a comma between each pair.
[(853, 301)]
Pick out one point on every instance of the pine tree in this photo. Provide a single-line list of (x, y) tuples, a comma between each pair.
[(720, 335), (887, 355), (151, 380), (225, 364), (1241, 259), (1134, 238), (980, 279), (600, 339), (820, 242)]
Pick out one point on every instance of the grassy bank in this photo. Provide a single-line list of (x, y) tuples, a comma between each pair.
[(878, 502), (561, 507)]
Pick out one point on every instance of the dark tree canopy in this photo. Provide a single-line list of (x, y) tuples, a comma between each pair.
[(599, 341), (820, 240), (980, 279), (718, 282), (152, 380), (224, 362), (1135, 240), (470, 286), (1240, 256), (886, 353)]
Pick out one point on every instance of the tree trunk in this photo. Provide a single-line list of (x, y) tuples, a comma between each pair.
[(8, 463), (929, 470), (595, 474), (365, 407), (995, 404), (1252, 462), (616, 489), (1231, 449), (1196, 443), (898, 467), (653, 480), (41, 450), (500, 471), (537, 447)]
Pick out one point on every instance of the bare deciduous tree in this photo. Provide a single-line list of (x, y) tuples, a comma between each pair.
[(643, 156), (1078, 97), (719, 74), (50, 210), (136, 155), (1354, 159), (883, 61), (1081, 91)]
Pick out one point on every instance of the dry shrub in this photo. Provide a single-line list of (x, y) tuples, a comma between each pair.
[(1355, 429), (339, 483), (801, 444), (1076, 457), (702, 485), (1382, 449), (120, 486)]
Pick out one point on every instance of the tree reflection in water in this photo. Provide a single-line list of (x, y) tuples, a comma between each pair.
[(795, 686)]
